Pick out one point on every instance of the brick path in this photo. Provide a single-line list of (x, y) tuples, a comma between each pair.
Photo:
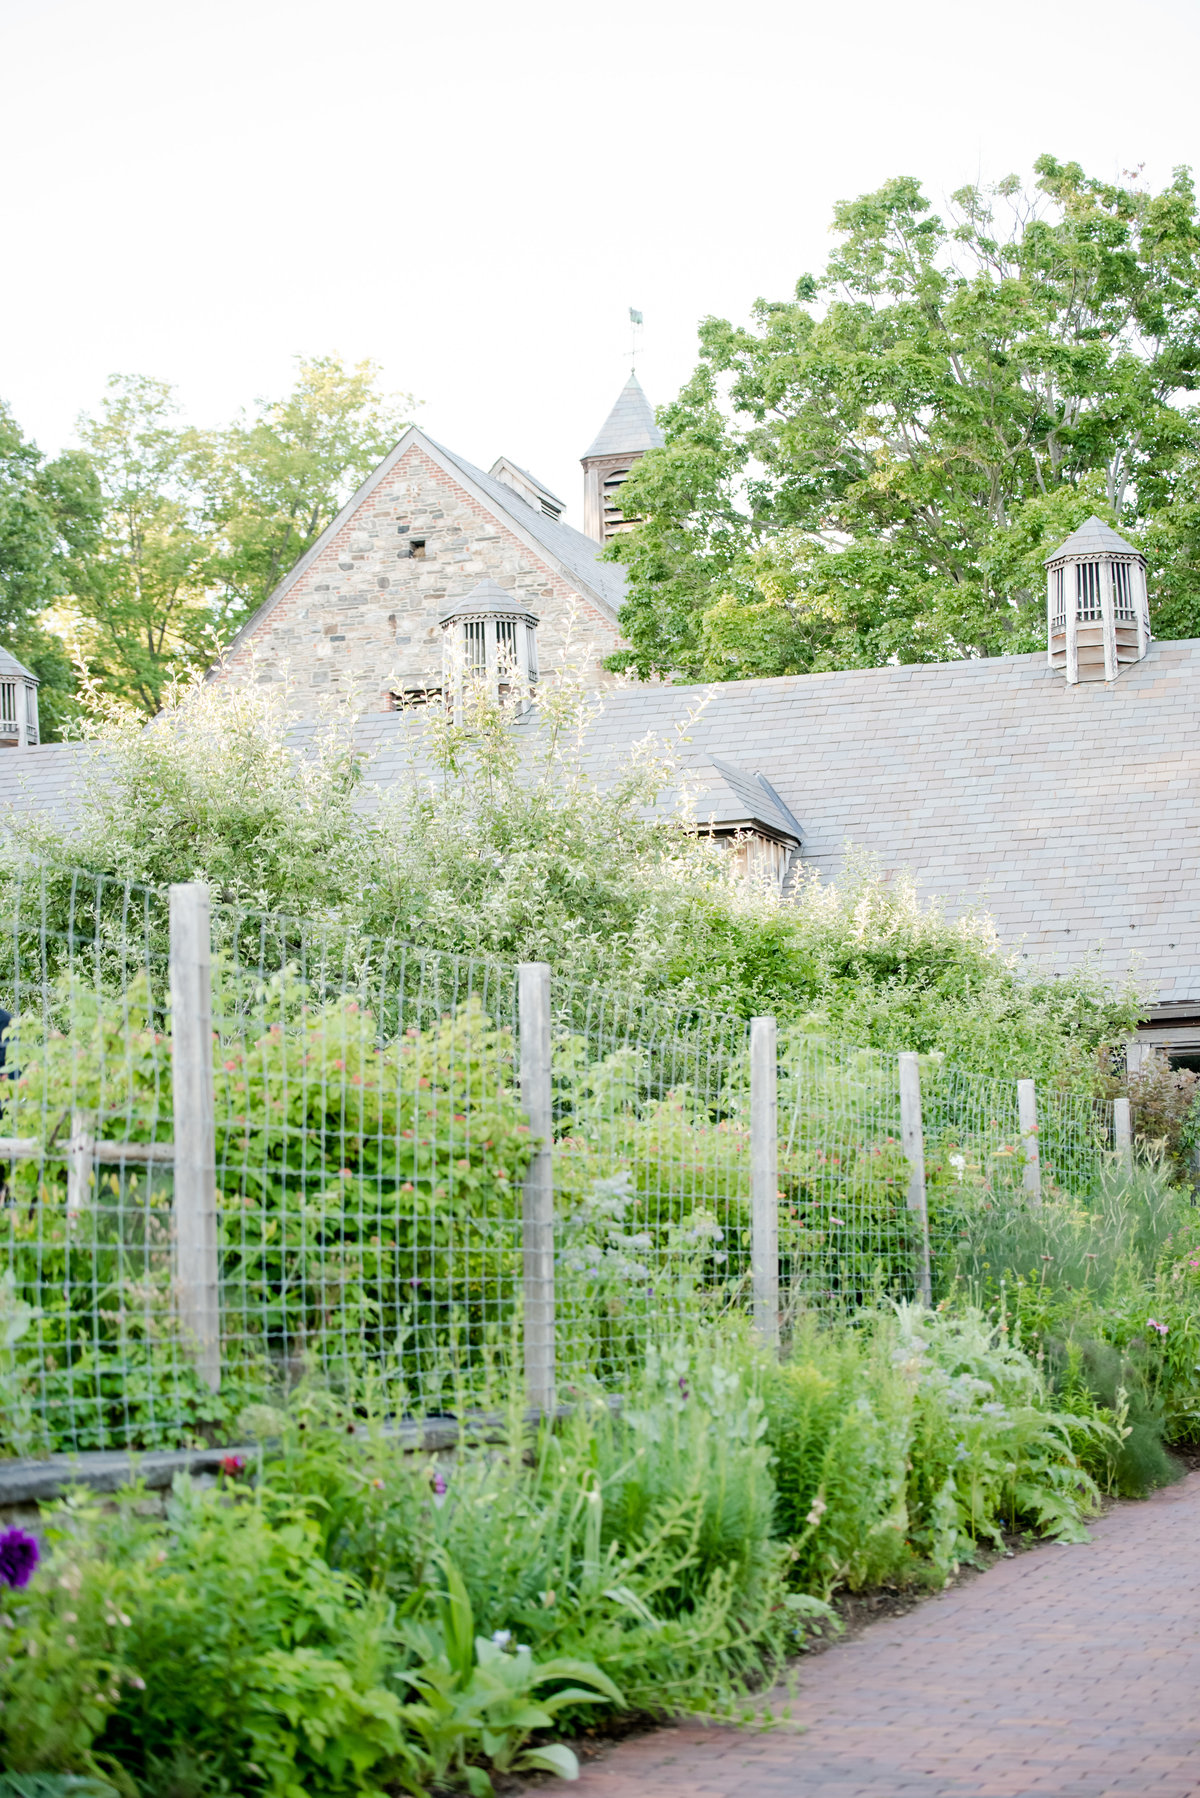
[(1068, 1672)]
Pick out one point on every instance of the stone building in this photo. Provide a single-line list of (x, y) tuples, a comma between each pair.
[(361, 614)]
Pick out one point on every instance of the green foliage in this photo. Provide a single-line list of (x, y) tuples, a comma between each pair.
[(48, 515), (904, 1440), (1105, 1291), (905, 439), (346, 1627), (350, 1618), (342, 1162), (149, 545), (504, 843), (140, 591), (473, 1695)]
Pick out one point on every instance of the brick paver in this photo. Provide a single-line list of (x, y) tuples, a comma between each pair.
[(1069, 1672)]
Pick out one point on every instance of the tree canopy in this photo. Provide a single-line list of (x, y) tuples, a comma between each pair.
[(874, 469), (149, 544)]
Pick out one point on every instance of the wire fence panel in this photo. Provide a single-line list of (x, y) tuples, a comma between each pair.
[(91, 1353), (845, 1232), (1076, 1138), (370, 1150), (651, 1172)]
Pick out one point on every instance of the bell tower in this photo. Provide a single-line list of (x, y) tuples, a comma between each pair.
[(1097, 607), (626, 434)]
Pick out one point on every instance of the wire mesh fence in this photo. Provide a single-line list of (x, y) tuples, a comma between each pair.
[(370, 1148), (370, 1171), (651, 1172)]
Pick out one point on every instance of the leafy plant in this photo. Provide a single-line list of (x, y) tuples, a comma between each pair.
[(485, 1696)]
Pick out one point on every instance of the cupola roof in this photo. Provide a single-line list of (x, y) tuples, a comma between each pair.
[(488, 600), (10, 667), (1093, 538)]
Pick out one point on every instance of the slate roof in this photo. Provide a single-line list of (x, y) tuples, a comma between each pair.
[(577, 553), (48, 777), (1093, 538), (1071, 813), (741, 800), (629, 426), (10, 666)]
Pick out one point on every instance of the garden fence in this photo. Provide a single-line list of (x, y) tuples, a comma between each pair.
[(241, 1148)]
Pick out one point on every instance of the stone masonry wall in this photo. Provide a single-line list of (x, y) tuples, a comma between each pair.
[(362, 620)]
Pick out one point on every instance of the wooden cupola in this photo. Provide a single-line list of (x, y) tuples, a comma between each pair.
[(490, 638), (1097, 608), (18, 704)]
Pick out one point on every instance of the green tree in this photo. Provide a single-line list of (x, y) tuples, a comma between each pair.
[(143, 590), (874, 470), (48, 515), (281, 477)]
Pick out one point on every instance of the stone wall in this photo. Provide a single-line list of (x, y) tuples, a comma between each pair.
[(362, 620)]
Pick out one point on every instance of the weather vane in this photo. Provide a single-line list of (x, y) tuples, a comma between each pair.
[(635, 325)]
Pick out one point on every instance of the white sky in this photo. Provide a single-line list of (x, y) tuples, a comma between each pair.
[(474, 194)]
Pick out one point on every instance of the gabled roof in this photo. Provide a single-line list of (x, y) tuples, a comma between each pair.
[(574, 555), (13, 669), (519, 478), (629, 427), (1093, 538), (739, 800), (578, 555)]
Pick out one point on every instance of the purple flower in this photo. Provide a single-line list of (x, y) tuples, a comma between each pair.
[(440, 1488), (19, 1555), (683, 1385)]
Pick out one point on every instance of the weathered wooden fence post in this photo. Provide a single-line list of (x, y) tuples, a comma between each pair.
[(764, 1178), (197, 1271), (81, 1161), (537, 1218), (1123, 1133), (1031, 1173), (912, 1135)]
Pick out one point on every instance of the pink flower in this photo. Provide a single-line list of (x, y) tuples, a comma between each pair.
[(232, 1465), (1161, 1328)]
